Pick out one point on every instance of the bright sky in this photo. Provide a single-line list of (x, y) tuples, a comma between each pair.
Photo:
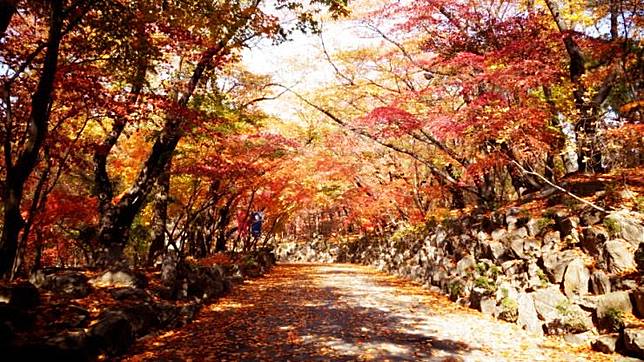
[(300, 63)]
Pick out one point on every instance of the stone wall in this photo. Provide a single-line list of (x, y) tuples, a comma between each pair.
[(576, 274), (45, 319)]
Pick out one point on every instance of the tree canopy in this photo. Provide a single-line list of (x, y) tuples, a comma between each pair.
[(130, 128)]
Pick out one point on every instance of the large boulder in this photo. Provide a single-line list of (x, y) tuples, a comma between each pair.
[(634, 342), (205, 282), (493, 249), (199, 282), (627, 226), (499, 235), (130, 294), (120, 279), (568, 227), (465, 265), (142, 317), (560, 316), (591, 216), (508, 310), (517, 247), (417, 273), (576, 278), (70, 284), (619, 256), (112, 334), (606, 343), (536, 276), (594, 239), (22, 295), (600, 282), (172, 316), (527, 316), (615, 301), (478, 293), (609, 303), (579, 339), (487, 305), (234, 272), (555, 263), (266, 256), (551, 239), (519, 233), (537, 226), (532, 247), (64, 316), (546, 301), (66, 346), (512, 268)]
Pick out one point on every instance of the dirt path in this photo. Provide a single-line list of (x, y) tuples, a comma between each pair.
[(317, 312)]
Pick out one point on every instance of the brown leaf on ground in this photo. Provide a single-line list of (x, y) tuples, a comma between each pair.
[(313, 312)]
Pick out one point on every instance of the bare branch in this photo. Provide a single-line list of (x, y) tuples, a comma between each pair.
[(544, 179)]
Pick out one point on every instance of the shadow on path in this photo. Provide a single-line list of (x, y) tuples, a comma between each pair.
[(296, 313), (343, 312)]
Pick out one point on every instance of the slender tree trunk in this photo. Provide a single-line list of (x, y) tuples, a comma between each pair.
[(201, 247), (614, 19), (210, 217), (488, 191), (18, 173), (222, 224), (458, 198), (37, 204), (160, 218), (550, 167), (39, 244)]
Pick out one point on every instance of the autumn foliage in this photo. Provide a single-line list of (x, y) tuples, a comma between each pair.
[(131, 127)]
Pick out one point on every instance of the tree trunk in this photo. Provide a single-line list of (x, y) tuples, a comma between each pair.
[(488, 191), (103, 188), (458, 198), (522, 183), (116, 222), (18, 173), (224, 220), (40, 245), (160, 218), (589, 153), (7, 10), (550, 167), (614, 19)]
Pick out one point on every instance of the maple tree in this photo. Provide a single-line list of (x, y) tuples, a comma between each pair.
[(493, 100), (21, 150), (141, 112), (135, 139), (113, 51)]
